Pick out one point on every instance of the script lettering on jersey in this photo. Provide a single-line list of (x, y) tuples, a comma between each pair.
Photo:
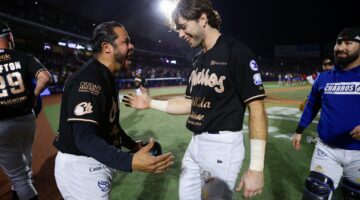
[(5, 57), (341, 88), (203, 78), (13, 101), (201, 103), (197, 117), (90, 87), (8, 67)]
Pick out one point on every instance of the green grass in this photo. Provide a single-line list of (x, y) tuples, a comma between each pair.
[(285, 168)]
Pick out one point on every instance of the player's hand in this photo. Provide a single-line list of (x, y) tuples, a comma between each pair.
[(296, 140), (137, 101), (356, 133), (143, 161), (145, 90), (138, 146), (252, 182)]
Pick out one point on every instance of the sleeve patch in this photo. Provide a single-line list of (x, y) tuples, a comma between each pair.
[(90, 87), (257, 79), (253, 65), (83, 108)]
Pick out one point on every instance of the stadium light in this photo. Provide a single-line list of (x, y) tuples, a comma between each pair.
[(167, 7)]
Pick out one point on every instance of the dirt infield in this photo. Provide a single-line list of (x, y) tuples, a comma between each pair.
[(43, 160)]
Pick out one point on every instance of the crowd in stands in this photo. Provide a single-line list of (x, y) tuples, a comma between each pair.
[(149, 56), (44, 14)]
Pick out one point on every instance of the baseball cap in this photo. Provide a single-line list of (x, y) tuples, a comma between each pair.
[(352, 34), (327, 61), (4, 29)]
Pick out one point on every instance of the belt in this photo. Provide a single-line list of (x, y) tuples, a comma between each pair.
[(213, 132), (208, 132)]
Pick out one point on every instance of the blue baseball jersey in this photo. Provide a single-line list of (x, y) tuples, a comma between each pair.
[(337, 93)]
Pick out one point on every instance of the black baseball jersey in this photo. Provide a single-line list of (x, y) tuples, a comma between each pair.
[(224, 79), (90, 96), (17, 70)]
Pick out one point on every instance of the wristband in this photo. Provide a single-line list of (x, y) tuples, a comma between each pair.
[(159, 105), (257, 154)]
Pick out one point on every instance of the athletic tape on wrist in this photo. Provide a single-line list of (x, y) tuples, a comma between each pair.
[(159, 105), (257, 154)]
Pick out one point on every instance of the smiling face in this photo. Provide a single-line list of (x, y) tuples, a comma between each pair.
[(191, 31), (122, 49), (346, 52)]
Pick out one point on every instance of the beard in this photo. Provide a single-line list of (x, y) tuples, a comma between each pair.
[(345, 61)]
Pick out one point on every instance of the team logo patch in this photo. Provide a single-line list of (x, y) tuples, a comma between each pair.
[(94, 169), (5, 57), (90, 87), (319, 168), (320, 153), (104, 185), (213, 62), (257, 79), (349, 88), (83, 108), (253, 65), (206, 176)]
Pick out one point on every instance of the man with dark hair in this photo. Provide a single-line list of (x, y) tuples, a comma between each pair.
[(17, 117), (90, 136), (224, 81), (140, 83), (327, 64), (337, 153)]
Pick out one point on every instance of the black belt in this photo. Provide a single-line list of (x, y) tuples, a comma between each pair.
[(209, 132)]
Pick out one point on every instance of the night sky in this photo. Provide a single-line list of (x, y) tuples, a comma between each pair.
[(262, 24)]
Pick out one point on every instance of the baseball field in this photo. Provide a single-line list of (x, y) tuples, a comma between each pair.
[(285, 168)]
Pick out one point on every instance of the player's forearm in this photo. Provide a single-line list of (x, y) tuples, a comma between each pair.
[(42, 80), (88, 142), (258, 134), (175, 106), (258, 121)]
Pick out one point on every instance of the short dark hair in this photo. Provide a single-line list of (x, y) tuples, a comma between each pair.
[(327, 61), (192, 10), (4, 29), (104, 32)]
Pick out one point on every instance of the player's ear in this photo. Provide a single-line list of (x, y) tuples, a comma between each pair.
[(203, 20), (106, 47)]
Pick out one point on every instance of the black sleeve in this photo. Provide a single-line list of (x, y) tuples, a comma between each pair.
[(126, 140), (34, 66), (88, 142), (85, 106), (246, 74)]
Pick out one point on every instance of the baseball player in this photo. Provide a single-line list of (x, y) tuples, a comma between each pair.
[(337, 153), (140, 83), (90, 136), (327, 64), (224, 81), (17, 117)]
